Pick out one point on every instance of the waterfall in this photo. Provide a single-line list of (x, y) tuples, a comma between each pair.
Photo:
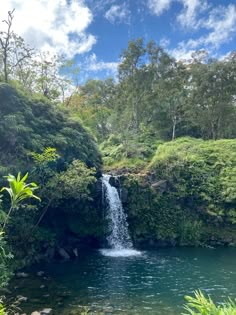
[(119, 239)]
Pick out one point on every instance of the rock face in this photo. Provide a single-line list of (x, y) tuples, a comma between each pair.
[(124, 195), (114, 181)]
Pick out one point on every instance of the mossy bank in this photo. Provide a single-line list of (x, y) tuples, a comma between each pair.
[(185, 196)]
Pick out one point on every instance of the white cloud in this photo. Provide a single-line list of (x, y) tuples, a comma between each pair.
[(52, 25), (92, 64), (222, 25), (182, 53), (118, 14), (188, 15), (191, 10), (219, 27), (164, 42), (157, 7)]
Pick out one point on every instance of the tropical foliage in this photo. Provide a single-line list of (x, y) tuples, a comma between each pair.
[(201, 305), (186, 195), (18, 191)]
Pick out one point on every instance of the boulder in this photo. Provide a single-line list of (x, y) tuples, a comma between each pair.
[(21, 298), (46, 311), (22, 274), (63, 253)]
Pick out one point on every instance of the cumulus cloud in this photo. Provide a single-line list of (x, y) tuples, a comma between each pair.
[(55, 25), (118, 14), (157, 7)]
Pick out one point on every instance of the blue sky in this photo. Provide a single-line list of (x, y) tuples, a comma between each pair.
[(95, 32)]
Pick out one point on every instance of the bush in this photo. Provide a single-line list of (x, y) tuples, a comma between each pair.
[(4, 257), (201, 172), (2, 310), (201, 305)]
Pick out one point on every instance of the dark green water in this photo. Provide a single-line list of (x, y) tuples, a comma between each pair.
[(153, 283)]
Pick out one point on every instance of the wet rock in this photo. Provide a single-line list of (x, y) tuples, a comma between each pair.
[(75, 251), (22, 274), (21, 298), (99, 186), (63, 253), (124, 195), (46, 311), (114, 181)]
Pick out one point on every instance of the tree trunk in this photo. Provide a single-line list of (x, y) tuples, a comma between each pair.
[(43, 213), (7, 218), (174, 120), (135, 115), (5, 68)]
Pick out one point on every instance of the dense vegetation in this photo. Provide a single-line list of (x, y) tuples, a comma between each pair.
[(179, 192), (159, 97), (186, 195)]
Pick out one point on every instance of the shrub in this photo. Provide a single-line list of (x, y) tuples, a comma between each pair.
[(201, 305)]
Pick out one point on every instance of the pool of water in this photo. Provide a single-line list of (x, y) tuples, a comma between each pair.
[(153, 282)]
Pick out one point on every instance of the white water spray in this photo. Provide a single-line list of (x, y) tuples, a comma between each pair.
[(119, 239)]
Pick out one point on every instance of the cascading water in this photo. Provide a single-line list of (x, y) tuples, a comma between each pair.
[(119, 239)]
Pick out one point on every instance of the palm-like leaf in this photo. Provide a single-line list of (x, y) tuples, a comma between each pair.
[(19, 190)]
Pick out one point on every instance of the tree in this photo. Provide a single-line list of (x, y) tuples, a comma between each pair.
[(213, 88), (18, 191), (14, 51), (132, 78), (172, 92)]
